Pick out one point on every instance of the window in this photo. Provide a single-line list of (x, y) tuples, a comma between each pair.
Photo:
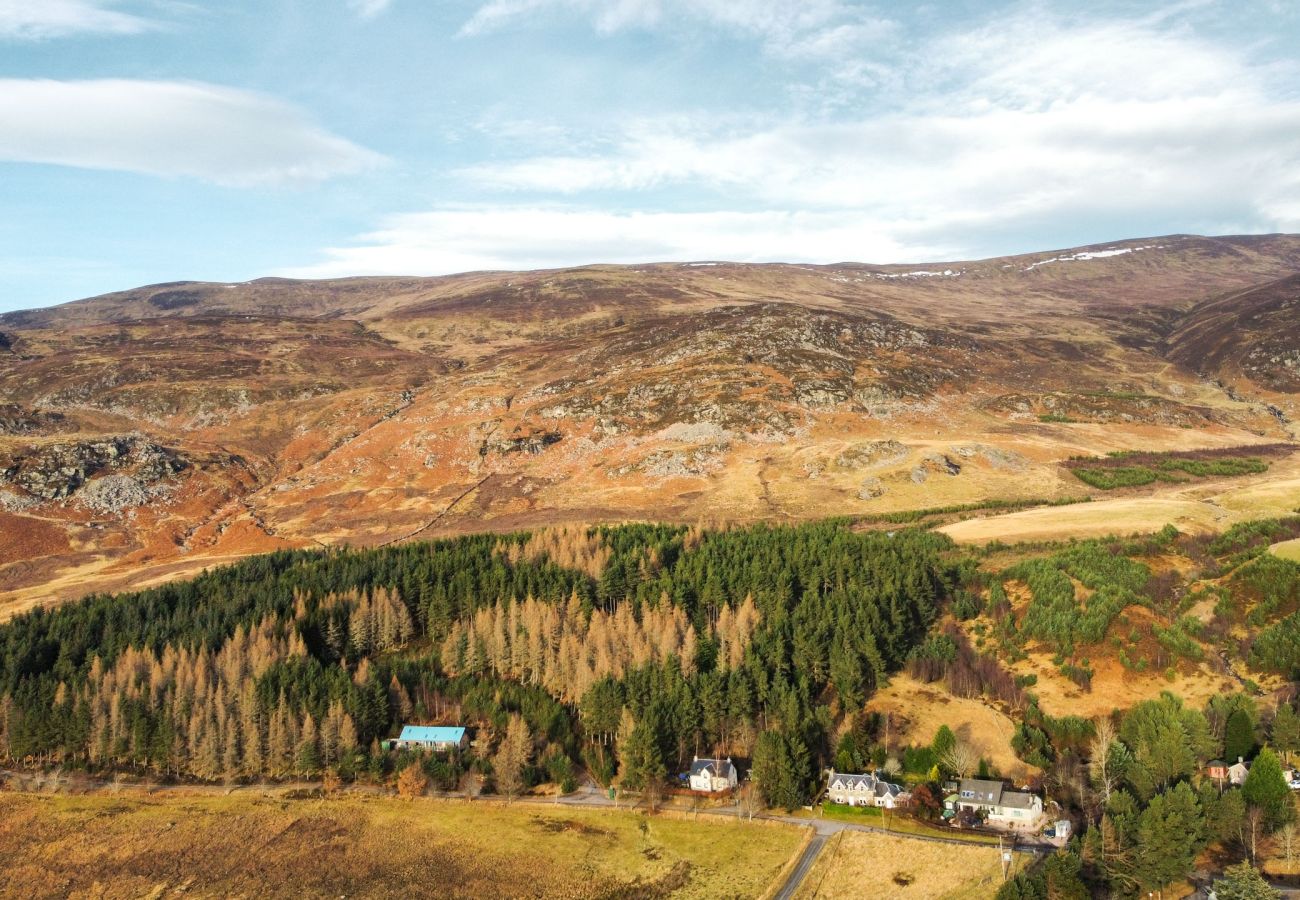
[(968, 794)]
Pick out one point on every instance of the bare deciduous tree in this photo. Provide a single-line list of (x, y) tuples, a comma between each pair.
[(1101, 765), (961, 758)]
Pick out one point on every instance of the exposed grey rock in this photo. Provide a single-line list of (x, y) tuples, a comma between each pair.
[(871, 489), (14, 503), (117, 493), (58, 471), (871, 455)]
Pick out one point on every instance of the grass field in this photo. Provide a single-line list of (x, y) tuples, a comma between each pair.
[(1287, 550), (916, 711), (860, 864), (234, 846)]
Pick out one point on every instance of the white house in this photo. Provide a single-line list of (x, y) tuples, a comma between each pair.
[(864, 790), (1000, 806), (713, 775), (1238, 771)]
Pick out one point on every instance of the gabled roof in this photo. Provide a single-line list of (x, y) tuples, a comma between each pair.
[(855, 782), (865, 783), (1017, 800), (432, 734), (714, 768), (984, 791)]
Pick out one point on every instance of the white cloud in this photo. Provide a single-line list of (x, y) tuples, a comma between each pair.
[(204, 131), (1025, 120), (369, 9), (42, 19), (805, 28), (462, 239), (1030, 123)]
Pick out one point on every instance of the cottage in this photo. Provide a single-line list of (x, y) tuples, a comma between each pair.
[(865, 790), (1000, 806), (437, 738), (1217, 769), (712, 775), (1238, 771)]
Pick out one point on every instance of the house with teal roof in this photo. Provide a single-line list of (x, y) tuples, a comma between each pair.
[(438, 738)]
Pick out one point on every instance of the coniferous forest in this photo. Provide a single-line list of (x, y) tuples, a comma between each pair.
[(671, 640), (626, 651)]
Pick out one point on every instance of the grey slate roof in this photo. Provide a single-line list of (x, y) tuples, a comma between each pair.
[(714, 768), (984, 791), (865, 783), (1017, 800)]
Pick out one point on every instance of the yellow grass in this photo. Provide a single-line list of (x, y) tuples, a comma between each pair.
[(916, 710), (242, 846), (861, 864), (1086, 520), (1212, 506), (1287, 550)]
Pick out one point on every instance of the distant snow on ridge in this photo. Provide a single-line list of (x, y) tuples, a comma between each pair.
[(1092, 254), (920, 273)]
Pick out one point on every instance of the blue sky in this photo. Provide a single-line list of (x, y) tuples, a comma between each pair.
[(155, 140)]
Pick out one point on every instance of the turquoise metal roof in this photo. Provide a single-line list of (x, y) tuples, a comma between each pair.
[(432, 734)]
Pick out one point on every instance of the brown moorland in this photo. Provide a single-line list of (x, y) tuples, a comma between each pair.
[(277, 413)]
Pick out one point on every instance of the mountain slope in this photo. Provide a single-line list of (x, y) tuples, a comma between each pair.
[(369, 410)]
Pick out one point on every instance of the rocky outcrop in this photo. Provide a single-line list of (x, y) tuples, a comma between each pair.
[(15, 419), (872, 454), (531, 444), (871, 489), (64, 470)]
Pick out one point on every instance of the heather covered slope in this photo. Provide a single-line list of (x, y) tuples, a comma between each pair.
[(369, 410)]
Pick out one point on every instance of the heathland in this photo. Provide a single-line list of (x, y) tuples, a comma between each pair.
[(147, 434)]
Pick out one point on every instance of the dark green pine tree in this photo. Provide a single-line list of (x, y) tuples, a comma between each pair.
[(1244, 882), (1169, 837), (1266, 789), (1238, 736), (1286, 731), (641, 763)]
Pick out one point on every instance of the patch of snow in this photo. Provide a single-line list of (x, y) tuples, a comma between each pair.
[(920, 273), (1092, 254), (697, 265)]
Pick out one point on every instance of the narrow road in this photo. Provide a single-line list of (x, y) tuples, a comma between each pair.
[(800, 872)]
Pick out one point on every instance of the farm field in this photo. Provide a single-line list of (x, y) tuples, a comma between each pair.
[(235, 846), (902, 868)]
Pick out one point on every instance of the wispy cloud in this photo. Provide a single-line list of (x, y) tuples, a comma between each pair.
[(167, 128), (1027, 119), (369, 9), (34, 20), (806, 28), (468, 238), (1032, 120)]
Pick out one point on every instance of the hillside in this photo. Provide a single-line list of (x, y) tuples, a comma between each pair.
[(153, 432)]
